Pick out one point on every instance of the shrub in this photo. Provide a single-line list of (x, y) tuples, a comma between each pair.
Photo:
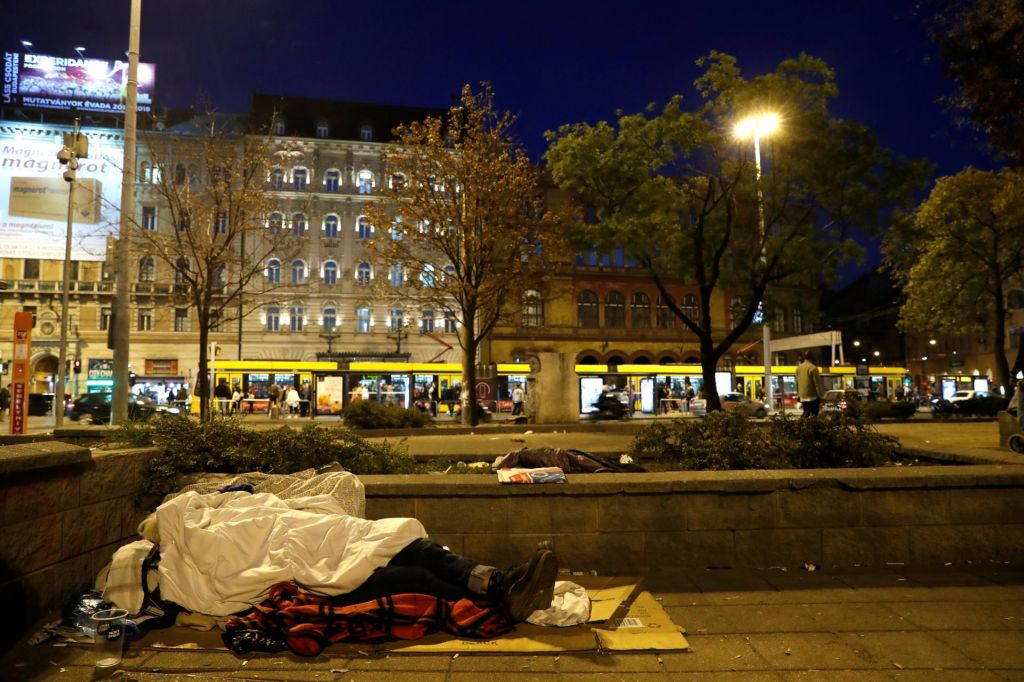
[(224, 446), (724, 441), (368, 414)]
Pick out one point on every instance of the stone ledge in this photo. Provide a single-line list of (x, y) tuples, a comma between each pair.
[(25, 457)]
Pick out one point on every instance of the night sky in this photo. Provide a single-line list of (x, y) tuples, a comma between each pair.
[(550, 62)]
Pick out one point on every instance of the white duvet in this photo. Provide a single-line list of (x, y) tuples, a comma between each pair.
[(221, 553)]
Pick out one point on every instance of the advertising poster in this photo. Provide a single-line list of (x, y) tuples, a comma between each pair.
[(34, 195), (39, 80), (330, 392)]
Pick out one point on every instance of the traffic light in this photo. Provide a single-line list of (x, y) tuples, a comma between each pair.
[(76, 365)]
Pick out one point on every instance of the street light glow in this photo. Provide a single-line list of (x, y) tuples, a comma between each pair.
[(758, 125)]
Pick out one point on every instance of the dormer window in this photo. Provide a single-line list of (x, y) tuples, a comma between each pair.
[(366, 132), (322, 129)]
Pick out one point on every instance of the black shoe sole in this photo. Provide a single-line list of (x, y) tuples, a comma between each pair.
[(536, 588)]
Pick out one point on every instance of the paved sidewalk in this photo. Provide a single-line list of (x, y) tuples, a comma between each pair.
[(963, 624)]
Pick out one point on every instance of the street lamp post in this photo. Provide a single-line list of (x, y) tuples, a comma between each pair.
[(756, 126)]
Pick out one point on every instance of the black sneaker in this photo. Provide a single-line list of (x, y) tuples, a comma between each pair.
[(528, 587)]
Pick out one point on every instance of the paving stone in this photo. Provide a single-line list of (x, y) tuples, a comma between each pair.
[(930, 545), (617, 663), (613, 677), (730, 581), (961, 615), (811, 618), (428, 662), (518, 664), (389, 676), (907, 649), (992, 649), (703, 619), (947, 676), (814, 651), (865, 546), (714, 653), (730, 676), (511, 676), (837, 676)]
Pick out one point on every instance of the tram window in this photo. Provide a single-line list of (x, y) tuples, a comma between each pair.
[(258, 385)]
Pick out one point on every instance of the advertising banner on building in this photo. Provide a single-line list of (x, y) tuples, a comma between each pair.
[(39, 80), (20, 371), (34, 195)]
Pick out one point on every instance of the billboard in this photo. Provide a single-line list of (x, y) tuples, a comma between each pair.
[(34, 195), (38, 80)]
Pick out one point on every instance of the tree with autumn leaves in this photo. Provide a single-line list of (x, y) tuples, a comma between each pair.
[(461, 225)]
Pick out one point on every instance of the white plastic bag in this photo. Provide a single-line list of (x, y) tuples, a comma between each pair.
[(570, 606)]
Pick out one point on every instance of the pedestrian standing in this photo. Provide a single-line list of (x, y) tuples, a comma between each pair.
[(5, 401), (517, 400), (688, 392), (292, 402), (273, 394), (808, 384)]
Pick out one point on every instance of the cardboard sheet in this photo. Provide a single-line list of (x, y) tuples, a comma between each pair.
[(646, 626)]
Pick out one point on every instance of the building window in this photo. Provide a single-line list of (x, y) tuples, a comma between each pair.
[(614, 310), (277, 178), (184, 221), (215, 321), (273, 318), (330, 273), (298, 224), (330, 319), (179, 174), (396, 319), (777, 318), (427, 321), (364, 182), (297, 317), (147, 269), (273, 271), (298, 271), (364, 230), (299, 178), (75, 269), (396, 232), (31, 268), (690, 307), (181, 320), (1015, 334), (181, 271), (363, 273), (586, 309), (798, 321), (322, 129), (396, 276), (366, 132), (145, 321), (362, 320), (640, 311), (105, 316), (736, 311), (449, 274), (665, 318), (451, 325), (275, 222), (533, 309), (30, 309), (332, 180), (427, 275), (193, 175), (149, 218), (221, 223), (331, 226), (397, 182)]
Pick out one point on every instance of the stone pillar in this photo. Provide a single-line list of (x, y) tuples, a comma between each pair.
[(553, 392)]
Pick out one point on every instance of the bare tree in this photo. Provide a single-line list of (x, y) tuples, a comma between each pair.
[(216, 233), (460, 223)]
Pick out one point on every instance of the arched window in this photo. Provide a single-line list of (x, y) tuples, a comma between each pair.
[(798, 321), (614, 310), (586, 309), (298, 224), (449, 274), (427, 320), (181, 271), (427, 275), (777, 316), (363, 320), (640, 311), (277, 178), (275, 222), (329, 320), (396, 319), (331, 223), (330, 273), (666, 318), (533, 309), (396, 276), (322, 129), (332, 180), (298, 271), (297, 317), (690, 307), (147, 269), (273, 271), (179, 174), (363, 273), (365, 182), (300, 176), (273, 318), (364, 230)]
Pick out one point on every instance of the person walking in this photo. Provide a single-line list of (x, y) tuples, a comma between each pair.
[(517, 400), (808, 384), (5, 401), (222, 393)]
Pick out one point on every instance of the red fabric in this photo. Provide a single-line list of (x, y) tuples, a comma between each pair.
[(309, 622)]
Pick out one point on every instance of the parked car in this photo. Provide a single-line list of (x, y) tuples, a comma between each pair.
[(968, 395), (94, 408), (733, 402)]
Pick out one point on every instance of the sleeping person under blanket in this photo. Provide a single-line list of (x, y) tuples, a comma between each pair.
[(221, 554)]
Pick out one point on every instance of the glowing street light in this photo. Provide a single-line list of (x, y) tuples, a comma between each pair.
[(758, 126)]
